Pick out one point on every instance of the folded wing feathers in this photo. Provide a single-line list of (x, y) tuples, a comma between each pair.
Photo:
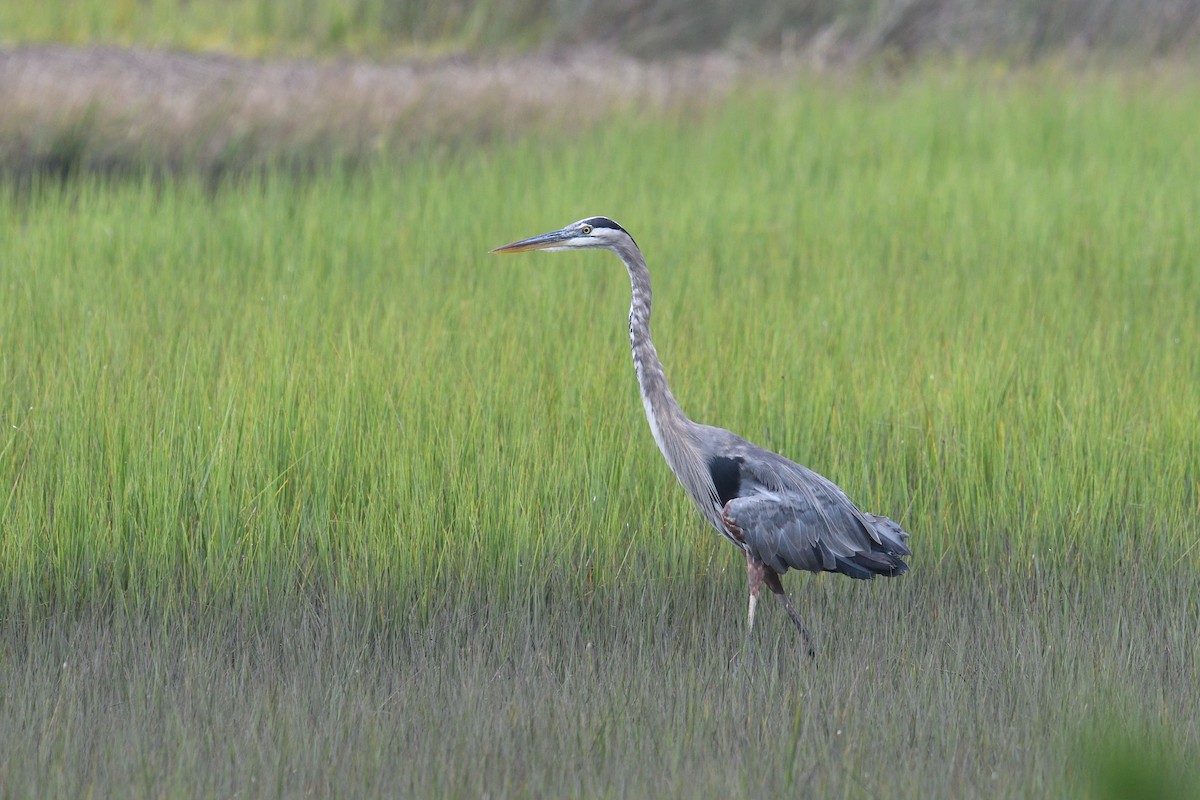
[(792, 518)]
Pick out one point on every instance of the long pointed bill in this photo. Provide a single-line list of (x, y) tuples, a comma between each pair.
[(547, 241)]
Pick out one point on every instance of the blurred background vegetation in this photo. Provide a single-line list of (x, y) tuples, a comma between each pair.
[(228, 86), (840, 30)]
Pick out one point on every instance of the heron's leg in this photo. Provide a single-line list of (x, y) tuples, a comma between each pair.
[(755, 571), (771, 578)]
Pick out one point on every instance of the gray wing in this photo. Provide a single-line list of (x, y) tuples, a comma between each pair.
[(789, 517)]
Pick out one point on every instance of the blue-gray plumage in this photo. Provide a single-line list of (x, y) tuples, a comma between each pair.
[(781, 515)]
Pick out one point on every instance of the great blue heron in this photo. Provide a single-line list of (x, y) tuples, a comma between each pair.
[(780, 514)]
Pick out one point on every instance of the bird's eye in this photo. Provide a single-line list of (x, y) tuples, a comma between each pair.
[(587, 230)]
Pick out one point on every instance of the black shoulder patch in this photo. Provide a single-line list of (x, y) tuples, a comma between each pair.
[(605, 222), (726, 476)]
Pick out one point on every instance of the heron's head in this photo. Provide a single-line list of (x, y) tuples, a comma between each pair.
[(593, 232)]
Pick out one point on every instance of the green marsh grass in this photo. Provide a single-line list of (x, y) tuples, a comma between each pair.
[(303, 492)]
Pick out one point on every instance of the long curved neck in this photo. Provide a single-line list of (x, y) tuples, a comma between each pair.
[(662, 410)]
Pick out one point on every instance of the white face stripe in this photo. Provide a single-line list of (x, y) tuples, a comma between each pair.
[(598, 239)]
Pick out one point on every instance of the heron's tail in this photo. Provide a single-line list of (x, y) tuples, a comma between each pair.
[(885, 556)]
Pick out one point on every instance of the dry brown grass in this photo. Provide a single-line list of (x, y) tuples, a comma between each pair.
[(68, 109)]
